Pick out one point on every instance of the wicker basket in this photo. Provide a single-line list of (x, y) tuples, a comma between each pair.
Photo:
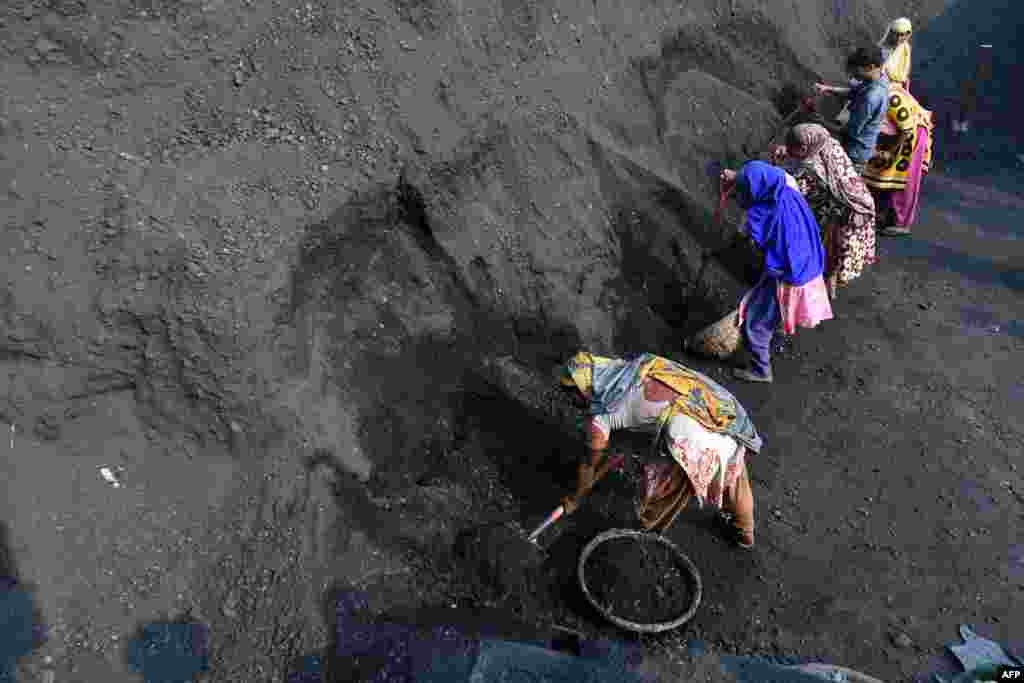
[(718, 340), (685, 563)]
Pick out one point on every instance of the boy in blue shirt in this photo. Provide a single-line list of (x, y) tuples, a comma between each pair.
[(868, 102)]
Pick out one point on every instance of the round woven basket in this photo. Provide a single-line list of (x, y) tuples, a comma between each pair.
[(718, 340), (642, 537)]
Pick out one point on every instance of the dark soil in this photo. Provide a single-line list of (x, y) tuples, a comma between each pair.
[(254, 251), (500, 554), (641, 582), (946, 51)]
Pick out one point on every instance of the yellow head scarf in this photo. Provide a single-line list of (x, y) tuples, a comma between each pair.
[(901, 25), (579, 372), (897, 66)]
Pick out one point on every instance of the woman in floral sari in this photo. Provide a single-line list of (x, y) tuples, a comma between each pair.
[(902, 159), (701, 428), (841, 202)]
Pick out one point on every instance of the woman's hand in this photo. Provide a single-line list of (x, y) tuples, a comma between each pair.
[(779, 154), (822, 89), (587, 476), (728, 176)]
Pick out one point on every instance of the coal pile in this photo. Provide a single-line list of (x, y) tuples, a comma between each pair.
[(500, 555)]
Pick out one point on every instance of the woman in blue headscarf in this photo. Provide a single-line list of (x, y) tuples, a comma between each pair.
[(792, 288)]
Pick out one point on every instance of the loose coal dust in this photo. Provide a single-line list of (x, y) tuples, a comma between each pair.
[(500, 555), (639, 582)]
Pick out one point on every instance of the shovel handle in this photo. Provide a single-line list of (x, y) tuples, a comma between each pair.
[(615, 462), (552, 518), (724, 191)]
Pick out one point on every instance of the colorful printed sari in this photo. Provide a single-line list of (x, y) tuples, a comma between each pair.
[(841, 202), (708, 466), (705, 431), (905, 115), (901, 175), (608, 380)]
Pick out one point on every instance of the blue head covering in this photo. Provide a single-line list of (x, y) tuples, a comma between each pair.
[(780, 223)]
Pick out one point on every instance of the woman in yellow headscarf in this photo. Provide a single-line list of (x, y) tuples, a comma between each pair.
[(701, 429), (895, 46)]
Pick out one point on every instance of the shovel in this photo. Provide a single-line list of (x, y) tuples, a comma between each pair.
[(613, 463)]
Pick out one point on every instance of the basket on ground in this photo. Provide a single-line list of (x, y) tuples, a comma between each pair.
[(685, 597), (718, 340)]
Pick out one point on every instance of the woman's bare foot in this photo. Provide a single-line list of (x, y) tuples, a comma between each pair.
[(742, 538)]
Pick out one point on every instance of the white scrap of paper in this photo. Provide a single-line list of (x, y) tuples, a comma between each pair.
[(110, 477)]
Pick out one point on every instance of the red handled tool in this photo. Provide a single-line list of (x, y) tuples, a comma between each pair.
[(614, 463)]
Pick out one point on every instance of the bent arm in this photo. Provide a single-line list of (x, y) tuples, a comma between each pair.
[(598, 435), (897, 145), (862, 110), (590, 456), (825, 89), (897, 141)]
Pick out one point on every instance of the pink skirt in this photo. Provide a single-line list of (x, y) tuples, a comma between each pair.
[(905, 202), (803, 306)]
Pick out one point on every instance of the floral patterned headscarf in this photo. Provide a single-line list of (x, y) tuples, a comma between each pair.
[(824, 157), (605, 381), (579, 373)]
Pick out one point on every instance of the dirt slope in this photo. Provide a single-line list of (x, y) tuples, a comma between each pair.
[(253, 248)]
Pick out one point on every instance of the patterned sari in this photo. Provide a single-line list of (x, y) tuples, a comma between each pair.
[(607, 381), (905, 115), (839, 199), (705, 431), (900, 177)]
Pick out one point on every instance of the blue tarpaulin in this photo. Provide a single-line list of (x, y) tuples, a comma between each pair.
[(508, 662), (169, 652), (762, 670), (20, 633), (980, 657)]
